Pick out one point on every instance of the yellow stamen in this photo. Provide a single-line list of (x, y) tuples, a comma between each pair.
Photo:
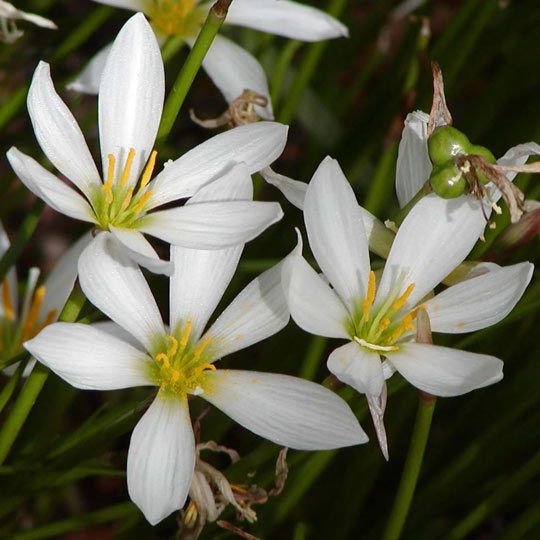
[(239, 489), (33, 313), (127, 168), (107, 186), (6, 298), (191, 515), (185, 336), (384, 324), (139, 206), (200, 348), (164, 358), (175, 375), (400, 302), (148, 170), (406, 324), (366, 304), (174, 346), (127, 198)]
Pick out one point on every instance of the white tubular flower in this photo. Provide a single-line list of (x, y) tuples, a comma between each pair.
[(40, 306), (232, 68), (180, 360), (121, 202), (9, 13), (379, 320), (414, 166)]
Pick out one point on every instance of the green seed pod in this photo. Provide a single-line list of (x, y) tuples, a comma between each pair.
[(486, 154), (445, 143), (447, 180)]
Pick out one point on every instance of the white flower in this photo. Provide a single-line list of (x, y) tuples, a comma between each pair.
[(379, 320), (9, 13), (20, 321), (414, 166), (130, 106), (180, 360), (231, 67)]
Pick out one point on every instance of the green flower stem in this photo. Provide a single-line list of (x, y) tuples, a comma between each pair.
[(307, 69), (19, 357), (413, 463), (280, 70), (212, 24), (34, 383), (21, 238), (11, 385)]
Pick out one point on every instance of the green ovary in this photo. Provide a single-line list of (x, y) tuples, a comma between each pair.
[(175, 17)]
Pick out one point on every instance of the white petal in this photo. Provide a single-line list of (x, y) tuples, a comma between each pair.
[(336, 232), (518, 155), (434, 238), (442, 371), (211, 225), (140, 250), (314, 306), (131, 96), (233, 70), (357, 367), (59, 134), (111, 328), (289, 411), (284, 18), (479, 302), (413, 164), (89, 78), (201, 276), (116, 286), (90, 359), (60, 281), (258, 312), (380, 238), (161, 459), (293, 190), (257, 145), (38, 20), (48, 187)]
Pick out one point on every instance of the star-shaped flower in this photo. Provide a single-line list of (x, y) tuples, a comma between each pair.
[(123, 200), (180, 360)]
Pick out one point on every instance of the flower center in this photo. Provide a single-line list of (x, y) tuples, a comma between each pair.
[(175, 17), (381, 330), (180, 363), (116, 203)]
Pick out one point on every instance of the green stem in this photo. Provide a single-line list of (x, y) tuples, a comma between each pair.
[(413, 464), (21, 238), (34, 383), (191, 67), (11, 385), (280, 70)]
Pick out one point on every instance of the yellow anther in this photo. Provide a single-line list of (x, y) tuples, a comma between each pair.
[(127, 168), (185, 336), (107, 186), (148, 170), (127, 198), (33, 313), (190, 516), (164, 358), (6, 298), (400, 302), (174, 346), (237, 488), (384, 324), (139, 206), (175, 375), (367, 303), (201, 346), (203, 367)]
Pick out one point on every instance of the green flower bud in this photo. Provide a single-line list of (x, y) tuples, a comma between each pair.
[(447, 180), (445, 143)]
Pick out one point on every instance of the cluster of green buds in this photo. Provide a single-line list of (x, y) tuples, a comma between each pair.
[(448, 150)]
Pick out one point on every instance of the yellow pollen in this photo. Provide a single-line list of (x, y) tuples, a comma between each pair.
[(185, 336), (164, 358), (107, 186), (127, 168), (6, 297), (148, 170), (366, 304), (400, 302), (142, 202), (384, 324), (33, 313), (127, 199), (200, 348), (174, 346)]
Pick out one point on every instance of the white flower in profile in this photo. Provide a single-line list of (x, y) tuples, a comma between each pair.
[(180, 360), (123, 200), (231, 67), (22, 319), (9, 13), (379, 320)]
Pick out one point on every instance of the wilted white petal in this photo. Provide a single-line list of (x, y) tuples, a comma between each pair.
[(257, 145), (48, 187), (59, 134), (413, 164), (89, 78), (293, 190), (161, 458), (357, 367), (518, 155), (336, 232), (314, 306), (289, 411), (131, 96), (442, 371), (116, 286), (479, 302), (284, 18), (90, 359), (211, 225)]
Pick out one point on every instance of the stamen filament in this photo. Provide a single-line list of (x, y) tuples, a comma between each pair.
[(33, 313), (107, 186), (174, 346), (127, 199), (200, 348), (400, 302), (164, 358), (8, 303), (367, 303), (139, 206), (127, 168), (185, 336), (148, 170)]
